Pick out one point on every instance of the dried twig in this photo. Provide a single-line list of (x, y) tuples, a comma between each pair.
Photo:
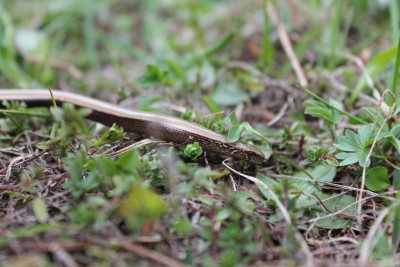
[(367, 244), (133, 146), (280, 114), (339, 212), (333, 184), (287, 46), (387, 117), (151, 255), (25, 158)]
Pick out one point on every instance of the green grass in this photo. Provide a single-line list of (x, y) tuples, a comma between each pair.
[(68, 182)]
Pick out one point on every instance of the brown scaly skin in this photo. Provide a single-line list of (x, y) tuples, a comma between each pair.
[(166, 127)]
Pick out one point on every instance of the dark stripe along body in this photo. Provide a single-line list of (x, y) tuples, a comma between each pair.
[(166, 127)]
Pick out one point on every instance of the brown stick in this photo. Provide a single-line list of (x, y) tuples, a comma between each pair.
[(151, 255), (285, 41)]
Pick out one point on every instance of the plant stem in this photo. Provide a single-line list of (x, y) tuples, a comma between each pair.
[(395, 74), (331, 106)]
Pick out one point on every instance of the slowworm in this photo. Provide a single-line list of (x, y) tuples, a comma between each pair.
[(166, 127)]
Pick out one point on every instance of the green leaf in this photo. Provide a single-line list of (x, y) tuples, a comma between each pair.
[(306, 188), (177, 70), (183, 227), (153, 76), (347, 142), (370, 112), (373, 68), (268, 49), (33, 43), (365, 134), (27, 231), (377, 179), (234, 133), (334, 204), (355, 145), (220, 45), (77, 164), (146, 103), (108, 166), (228, 257), (348, 158), (322, 113), (394, 141), (9, 64), (234, 119), (396, 179), (112, 135), (128, 161), (395, 29), (351, 117), (270, 183), (192, 151), (331, 162), (43, 145), (381, 249), (314, 104), (250, 129), (213, 107), (321, 155), (40, 210), (228, 94), (320, 173), (331, 113), (75, 167), (396, 130), (396, 227), (336, 115), (141, 206), (223, 214)]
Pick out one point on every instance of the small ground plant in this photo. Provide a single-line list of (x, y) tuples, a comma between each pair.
[(311, 84)]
